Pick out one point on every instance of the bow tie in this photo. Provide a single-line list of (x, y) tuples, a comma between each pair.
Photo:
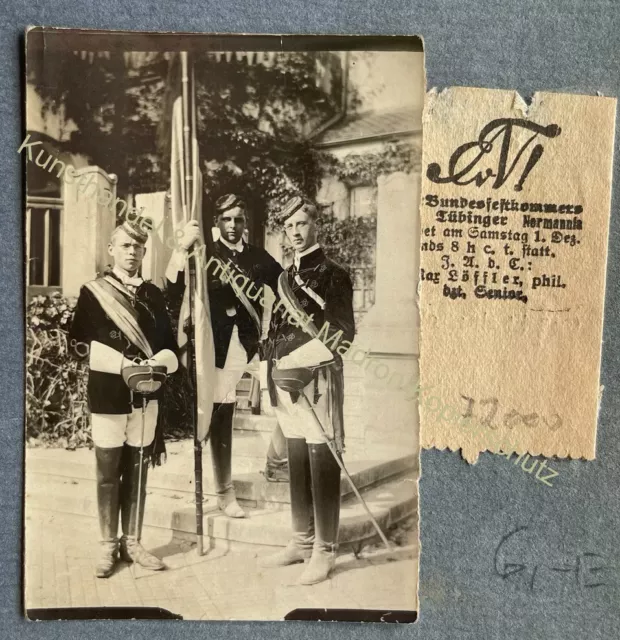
[(131, 282)]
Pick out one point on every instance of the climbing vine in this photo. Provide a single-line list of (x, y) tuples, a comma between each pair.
[(365, 168)]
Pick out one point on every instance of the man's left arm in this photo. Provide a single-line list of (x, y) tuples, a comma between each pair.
[(273, 269), (175, 270), (168, 355), (339, 304)]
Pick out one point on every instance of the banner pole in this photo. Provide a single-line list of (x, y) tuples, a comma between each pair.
[(190, 330)]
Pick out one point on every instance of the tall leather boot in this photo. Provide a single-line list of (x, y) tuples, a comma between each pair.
[(299, 547), (326, 493), (131, 520), (221, 456), (108, 465)]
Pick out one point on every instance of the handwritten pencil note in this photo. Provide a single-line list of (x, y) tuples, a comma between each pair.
[(514, 224)]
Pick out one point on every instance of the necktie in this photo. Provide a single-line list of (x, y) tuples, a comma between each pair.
[(134, 283)]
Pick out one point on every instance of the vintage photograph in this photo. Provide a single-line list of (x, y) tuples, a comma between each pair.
[(221, 268)]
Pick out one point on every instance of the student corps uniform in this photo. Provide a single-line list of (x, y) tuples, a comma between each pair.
[(323, 290), (115, 412), (236, 334)]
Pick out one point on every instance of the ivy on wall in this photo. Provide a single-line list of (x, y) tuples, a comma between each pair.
[(355, 169), (348, 241), (351, 241), (365, 168)]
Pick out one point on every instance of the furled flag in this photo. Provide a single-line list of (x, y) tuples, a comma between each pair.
[(185, 206)]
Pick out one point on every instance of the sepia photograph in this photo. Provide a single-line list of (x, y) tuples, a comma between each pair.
[(222, 240)]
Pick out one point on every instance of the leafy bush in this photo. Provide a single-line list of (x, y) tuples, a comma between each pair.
[(56, 406), (56, 401), (351, 241)]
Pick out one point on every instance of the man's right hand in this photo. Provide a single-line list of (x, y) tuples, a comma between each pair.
[(191, 233)]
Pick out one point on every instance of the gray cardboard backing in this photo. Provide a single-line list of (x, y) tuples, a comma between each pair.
[(562, 45)]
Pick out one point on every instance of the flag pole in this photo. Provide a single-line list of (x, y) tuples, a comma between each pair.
[(188, 120)]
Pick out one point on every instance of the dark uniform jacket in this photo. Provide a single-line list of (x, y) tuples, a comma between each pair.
[(107, 393), (332, 284), (261, 269)]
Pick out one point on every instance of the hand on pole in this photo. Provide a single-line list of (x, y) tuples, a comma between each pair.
[(191, 233)]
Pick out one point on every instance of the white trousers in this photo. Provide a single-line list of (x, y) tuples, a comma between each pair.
[(227, 379), (110, 431), (296, 418)]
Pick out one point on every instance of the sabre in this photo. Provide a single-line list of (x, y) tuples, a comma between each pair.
[(330, 443), (137, 527), (144, 379), (295, 380)]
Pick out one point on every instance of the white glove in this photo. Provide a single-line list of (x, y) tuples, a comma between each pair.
[(191, 233), (310, 354), (164, 358), (106, 359), (176, 264)]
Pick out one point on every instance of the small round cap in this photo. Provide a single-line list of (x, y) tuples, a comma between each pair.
[(134, 229), (227, 202)]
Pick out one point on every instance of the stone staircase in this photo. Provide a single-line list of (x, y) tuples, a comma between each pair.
[(63, 481)]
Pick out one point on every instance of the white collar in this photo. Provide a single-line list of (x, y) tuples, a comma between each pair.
[(300, 254), (136, 281), (233, 247)]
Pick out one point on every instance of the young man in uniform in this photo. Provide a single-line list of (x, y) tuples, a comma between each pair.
[(123, 320), (236, 318), (315, 311)]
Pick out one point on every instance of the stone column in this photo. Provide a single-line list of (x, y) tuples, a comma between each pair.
[(391, 326), (378, 388), (88, 219)]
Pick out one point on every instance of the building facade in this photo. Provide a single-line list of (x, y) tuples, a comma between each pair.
[(372, 150)]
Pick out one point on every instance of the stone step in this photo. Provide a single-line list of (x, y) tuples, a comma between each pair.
[(245, 421), (389, 503), (177, 476)]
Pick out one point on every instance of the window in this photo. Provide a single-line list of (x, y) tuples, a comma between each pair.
[(363, 201), (43, 242)]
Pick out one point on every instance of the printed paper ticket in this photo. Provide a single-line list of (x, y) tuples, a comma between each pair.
[(515, 209)]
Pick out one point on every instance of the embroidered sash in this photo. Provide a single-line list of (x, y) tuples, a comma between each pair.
[(312, 294), (292, 305), (115, 304), (241, 296), (333, 372)]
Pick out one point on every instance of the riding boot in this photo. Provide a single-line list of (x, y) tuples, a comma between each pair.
[(131, 519), (221, 456), (299, 547), (108, 464), (326, 493)]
